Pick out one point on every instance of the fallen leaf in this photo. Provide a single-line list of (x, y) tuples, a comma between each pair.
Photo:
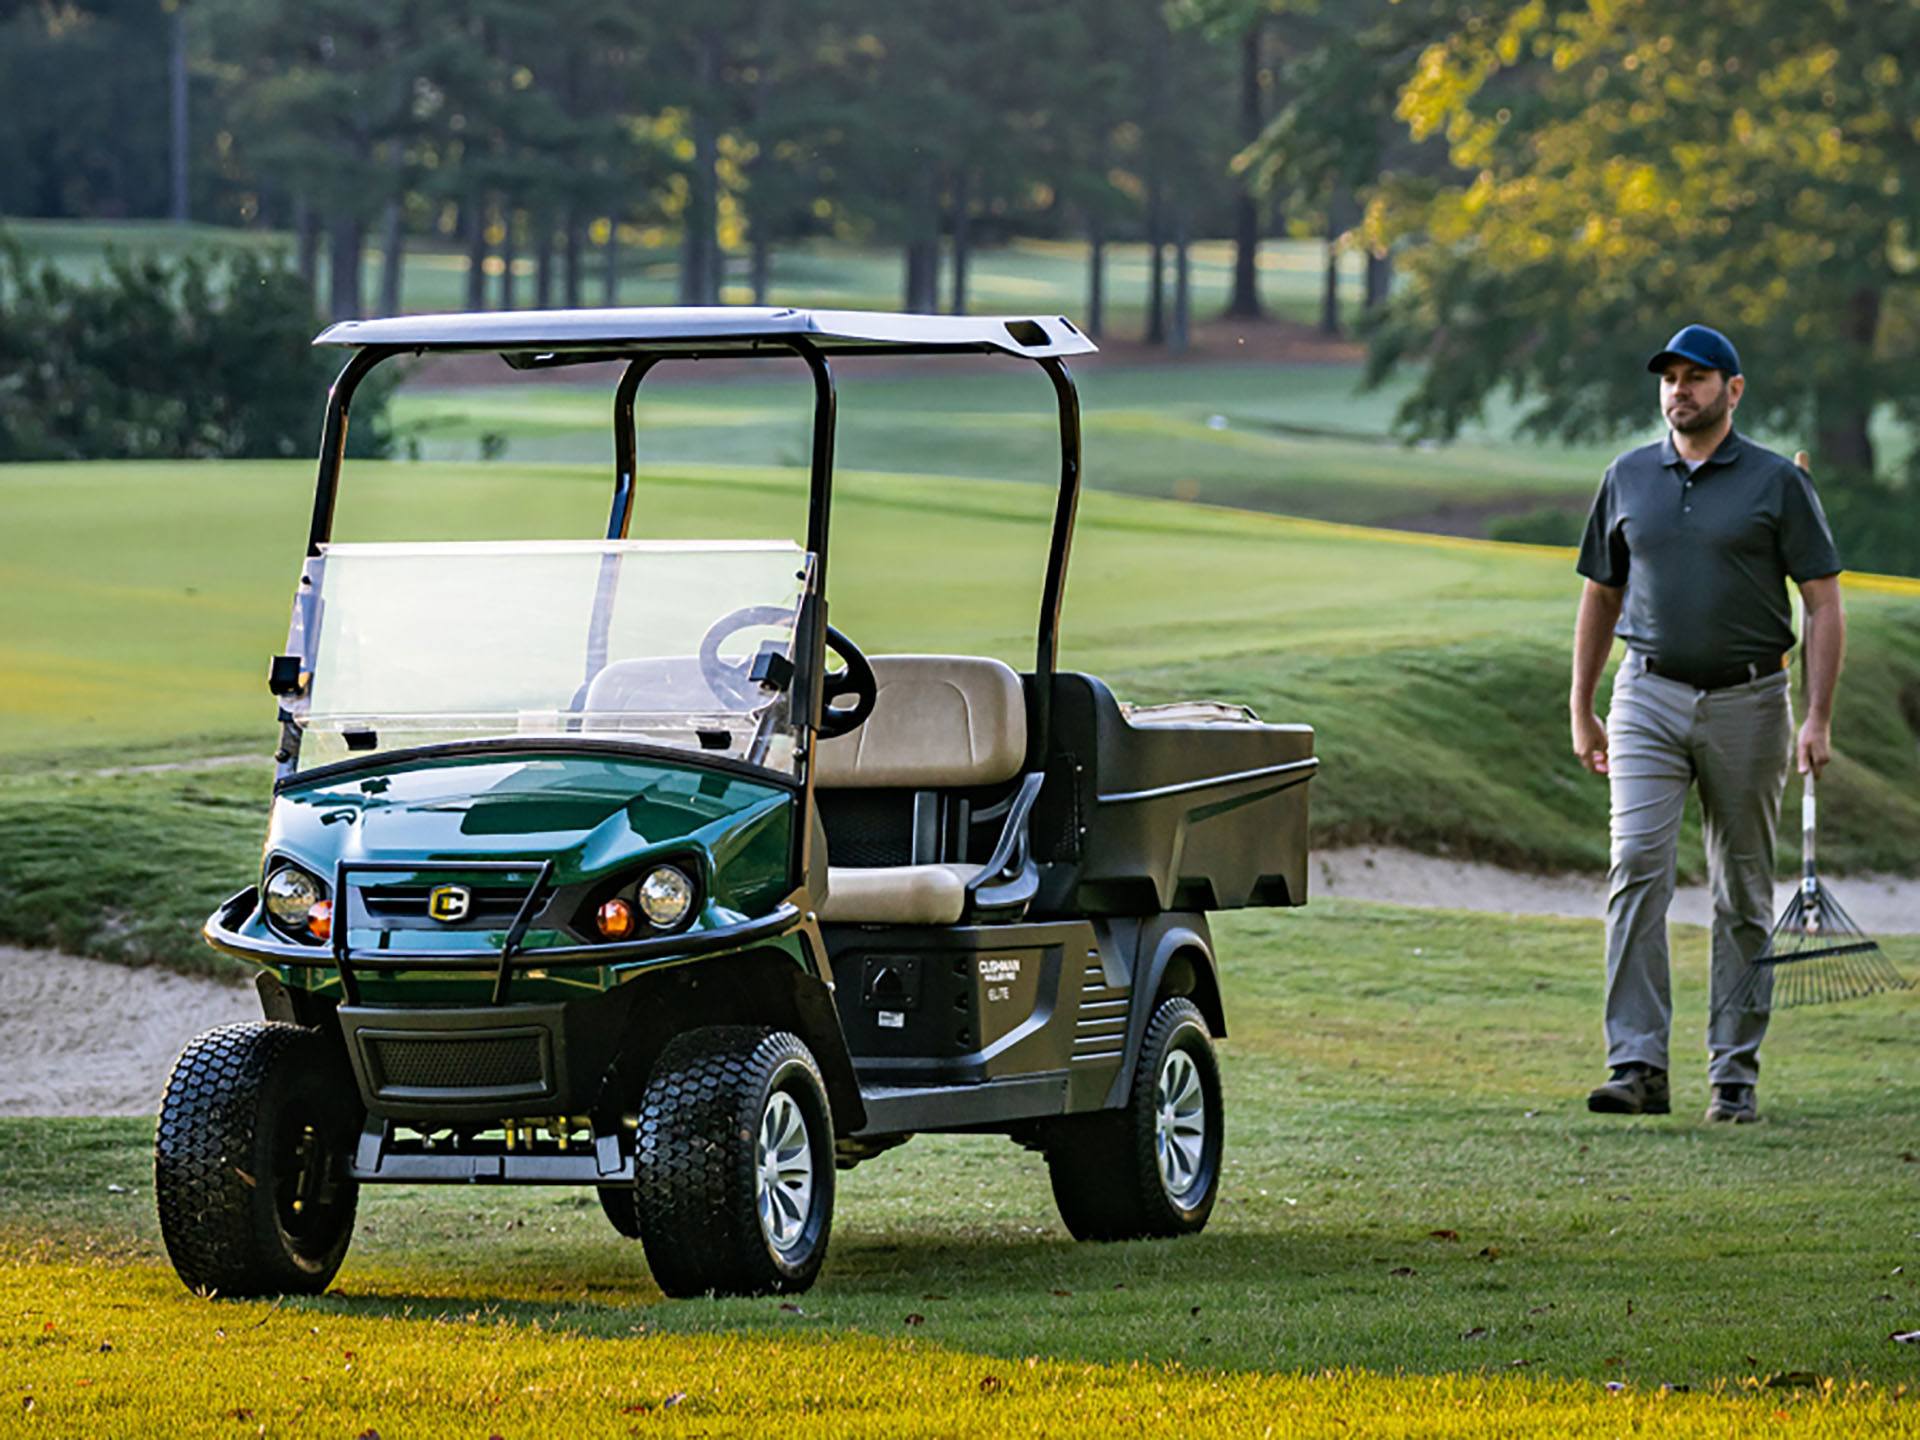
[(240, 1413), (1910, 1157), (1478, 1332), (1613, 1362), (791, 1308), (933, 1297), (1490, 1252), (1443, 1234), (1883, 1297), (989, 1384), (1541, 1309), (1403, 1271), (369, 1434), (916, 1319), (1905, 1337), (1194, 1311), (1062, 1294)]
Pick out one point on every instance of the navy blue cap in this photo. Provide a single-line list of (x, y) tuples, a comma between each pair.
[(1701, 344)]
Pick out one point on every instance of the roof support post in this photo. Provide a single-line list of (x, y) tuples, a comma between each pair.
[(1066, 506), (333, 441), (624, 446)]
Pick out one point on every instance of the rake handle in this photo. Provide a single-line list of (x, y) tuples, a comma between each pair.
[(1808, 805)]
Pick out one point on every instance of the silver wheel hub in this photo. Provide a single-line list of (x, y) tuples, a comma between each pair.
[(783, 1165), (1179, 1126)]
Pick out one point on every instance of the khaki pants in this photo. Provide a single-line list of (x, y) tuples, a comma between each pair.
[(1663, 736)]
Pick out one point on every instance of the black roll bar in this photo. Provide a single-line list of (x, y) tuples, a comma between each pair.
[(1066, 507)]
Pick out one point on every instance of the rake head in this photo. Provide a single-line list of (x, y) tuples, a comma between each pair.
[(1815, 955)]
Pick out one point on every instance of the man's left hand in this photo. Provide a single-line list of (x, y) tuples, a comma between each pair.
[(1815, 747)]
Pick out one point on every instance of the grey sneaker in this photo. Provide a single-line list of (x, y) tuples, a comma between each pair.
[(1734, 1102), (1632, 1090)]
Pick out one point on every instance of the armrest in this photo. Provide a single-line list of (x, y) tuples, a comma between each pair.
[(1009, 880)]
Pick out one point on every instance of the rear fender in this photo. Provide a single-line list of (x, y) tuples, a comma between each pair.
[(1173, 957)]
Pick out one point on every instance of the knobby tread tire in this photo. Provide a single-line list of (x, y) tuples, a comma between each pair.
[(1105, 1174), (694, 1154), (213, 1154)]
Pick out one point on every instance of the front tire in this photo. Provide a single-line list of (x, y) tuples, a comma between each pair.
[(1150, 1169), (735, 1163), (250, 1161)]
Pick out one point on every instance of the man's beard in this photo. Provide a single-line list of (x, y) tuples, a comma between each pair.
[(1704, 418)]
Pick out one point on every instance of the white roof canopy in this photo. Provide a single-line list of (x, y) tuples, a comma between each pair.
[(713, 330)]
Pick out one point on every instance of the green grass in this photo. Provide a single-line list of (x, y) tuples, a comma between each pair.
[(1296, 439), (140, 604), (1412, 1190)]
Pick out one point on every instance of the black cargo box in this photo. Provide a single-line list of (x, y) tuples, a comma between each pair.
[(1174, 808)]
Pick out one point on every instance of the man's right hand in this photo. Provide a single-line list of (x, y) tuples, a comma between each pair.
[(1590, 741)]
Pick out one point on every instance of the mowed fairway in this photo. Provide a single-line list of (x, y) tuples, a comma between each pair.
[(1421, 1232), (139, 604)]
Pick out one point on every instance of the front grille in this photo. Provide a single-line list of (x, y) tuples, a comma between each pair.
[(479, 1062), (491, 905)]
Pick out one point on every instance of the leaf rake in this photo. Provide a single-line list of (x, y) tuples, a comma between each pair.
[(1816, 953)]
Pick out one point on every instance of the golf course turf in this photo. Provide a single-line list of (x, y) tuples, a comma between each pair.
[(1413, 1196), (1421, 1231)]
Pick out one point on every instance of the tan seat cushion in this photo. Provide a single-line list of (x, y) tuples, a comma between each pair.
[(896, 894), (941, 722)]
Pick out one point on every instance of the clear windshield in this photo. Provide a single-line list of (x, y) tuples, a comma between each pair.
[(651, 641)]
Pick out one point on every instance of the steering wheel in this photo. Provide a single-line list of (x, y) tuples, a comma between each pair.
[(733, 680)]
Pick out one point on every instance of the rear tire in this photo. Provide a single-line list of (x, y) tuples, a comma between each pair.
[(1150, 1169), (250, 1161), (734, 1162)]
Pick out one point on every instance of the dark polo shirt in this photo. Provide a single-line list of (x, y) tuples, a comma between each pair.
[(1705, 557)]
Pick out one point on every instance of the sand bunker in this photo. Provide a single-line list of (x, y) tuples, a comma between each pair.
[(83, 1037)]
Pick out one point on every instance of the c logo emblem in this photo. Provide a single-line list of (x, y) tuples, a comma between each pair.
[(449, 903)]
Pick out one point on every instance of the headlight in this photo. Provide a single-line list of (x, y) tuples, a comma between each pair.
[(291, 894), (665, 897)]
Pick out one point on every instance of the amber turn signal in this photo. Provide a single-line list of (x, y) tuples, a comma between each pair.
[(615, 919), (320, 919)]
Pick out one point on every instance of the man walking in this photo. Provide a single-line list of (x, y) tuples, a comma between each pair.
[(1686, 557)]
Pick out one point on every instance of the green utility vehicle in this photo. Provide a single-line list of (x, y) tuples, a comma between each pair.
[(586, 867)]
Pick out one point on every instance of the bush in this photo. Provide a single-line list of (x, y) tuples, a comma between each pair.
[(208, 357), (1548, 526)]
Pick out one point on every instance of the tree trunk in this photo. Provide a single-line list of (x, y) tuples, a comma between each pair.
[(570, 239), (542, 258), (1843, 412), (1379, 280), (1180, 331), (393, 257), (1156, 271), (346, 240), (1330, 290), (1096, 278), (923, 252), (509, 300), (761, 265), (476, 222), (699, 265), (180, 206), (962, 242), (1244, 302), (610, 273), (306, 241)]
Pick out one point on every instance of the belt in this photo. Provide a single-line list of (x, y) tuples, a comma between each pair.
[(1718, 679)]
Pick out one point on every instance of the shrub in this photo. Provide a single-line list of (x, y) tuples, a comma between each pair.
[(1548, 526), (207, 357)]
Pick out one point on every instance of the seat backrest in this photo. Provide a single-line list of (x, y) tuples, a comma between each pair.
[(942, 722)]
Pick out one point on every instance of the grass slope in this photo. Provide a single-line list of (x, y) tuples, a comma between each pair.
[(1411, 1192), (138, 604)]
